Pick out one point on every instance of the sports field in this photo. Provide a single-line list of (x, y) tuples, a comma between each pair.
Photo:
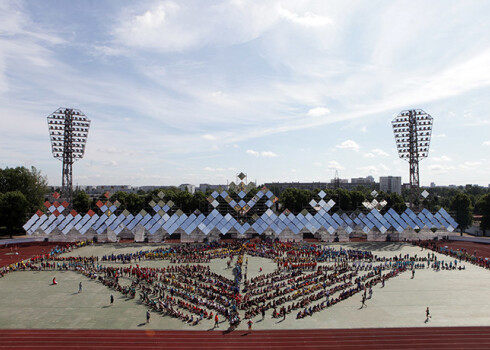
[(456, 298)]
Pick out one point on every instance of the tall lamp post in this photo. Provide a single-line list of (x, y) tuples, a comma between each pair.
[(413, 130), (68, 130)]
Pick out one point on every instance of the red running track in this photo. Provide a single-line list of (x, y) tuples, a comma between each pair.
[(17, 252), (482, 250), (372, 338)]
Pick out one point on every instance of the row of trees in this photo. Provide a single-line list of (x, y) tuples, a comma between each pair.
[(134, 202), (22, 192), (461, 202)]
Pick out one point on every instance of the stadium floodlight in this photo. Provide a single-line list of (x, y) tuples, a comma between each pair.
[(413, 130), (68, 130)]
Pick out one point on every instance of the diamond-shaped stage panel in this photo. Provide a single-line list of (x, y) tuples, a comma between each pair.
[(152, 203), (107, 195), (425, 194), (56, 195), (161, 195), (215, 203), (322, 194), (241, 176), (374, 193)]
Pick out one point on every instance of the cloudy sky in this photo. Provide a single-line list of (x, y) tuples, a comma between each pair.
[(197, 91)]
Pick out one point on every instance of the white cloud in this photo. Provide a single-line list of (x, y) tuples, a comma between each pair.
[(265, 154), (209, 137), (437, 136), (379, 169), (268, 154), (441, 159), (486, 143), (440, 168), (469, 165), (169, 26), (379, 152), (318, 112), (348, 144), (376, 152), (211, 169), (308, 19), (333, 164)]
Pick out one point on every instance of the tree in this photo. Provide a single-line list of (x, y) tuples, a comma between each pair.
[(81, 202), (396, 202), (295, 199), (343, 199), (483, 206), (356, 197), (29, 182), (460, 204), (13, 210), (134, 203)]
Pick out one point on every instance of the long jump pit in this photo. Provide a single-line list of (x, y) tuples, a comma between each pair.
[(337, 296)]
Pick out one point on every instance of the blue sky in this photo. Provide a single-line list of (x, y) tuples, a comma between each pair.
[(197, 91)]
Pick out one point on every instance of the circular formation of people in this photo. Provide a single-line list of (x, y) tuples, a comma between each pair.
[(308, 278)]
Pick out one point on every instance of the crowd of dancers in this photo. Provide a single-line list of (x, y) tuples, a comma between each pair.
[(308, 278)]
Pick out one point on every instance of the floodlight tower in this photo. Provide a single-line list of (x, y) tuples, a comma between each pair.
[(68, 130), (413, 129)]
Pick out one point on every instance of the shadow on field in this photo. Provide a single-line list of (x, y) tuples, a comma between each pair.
[(379, 246)]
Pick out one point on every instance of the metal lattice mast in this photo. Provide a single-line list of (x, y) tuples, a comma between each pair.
[(68, 130), (413, 129), (67, 173), (413, 158)]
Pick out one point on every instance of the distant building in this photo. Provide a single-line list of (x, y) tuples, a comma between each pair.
[(205, 187), (188, 187), (101, 189), (362, 180), (390, 184), (432, 184)]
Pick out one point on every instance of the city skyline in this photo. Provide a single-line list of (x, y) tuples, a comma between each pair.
[(197, 91)]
